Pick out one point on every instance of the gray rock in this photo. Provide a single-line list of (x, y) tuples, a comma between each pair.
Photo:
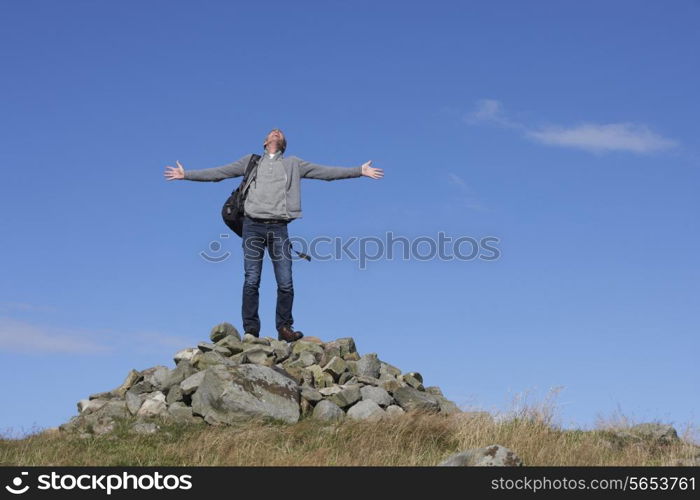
[(320, 378), (362, 379), (212, 358), (326, 410), (349, 395), (409, 399), (301, 346), (352, 356), (434, 390), (336, 366), (134, 401), (102, 425), (394, 411), (305, 359), (311, 394), (174, 395), (206, 346), (142, 387), (185, 354), (368, 366), (329, 391), (156, 376), (347, 346), (144, 428), (153, 405), (330, 350), (281, 350), (191, 383), (661, 433), (366, 410), (387, 369), (229, 394), (376, 394), (113, 409), (87, 406), (102, 395), (258, 356), (181, 413), (222, 330), (494, 456), (447, 407), (252, 339), (390, 385), (413, 379), (233, 344), (183, 370)]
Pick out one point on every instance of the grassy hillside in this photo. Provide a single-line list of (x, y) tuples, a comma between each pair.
[(411, 439)]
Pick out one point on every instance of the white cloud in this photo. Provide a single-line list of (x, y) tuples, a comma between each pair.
[(631, 137), (594, 137), (21, 336), (490, 111)]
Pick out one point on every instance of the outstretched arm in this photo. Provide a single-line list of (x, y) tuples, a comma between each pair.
[(328, 173), (215, 174)]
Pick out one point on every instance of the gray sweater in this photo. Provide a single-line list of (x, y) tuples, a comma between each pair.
[(275, 196)]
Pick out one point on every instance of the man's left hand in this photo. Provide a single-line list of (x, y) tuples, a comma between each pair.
[(369, 171)]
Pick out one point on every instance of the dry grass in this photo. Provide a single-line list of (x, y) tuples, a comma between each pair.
[(413, 439)]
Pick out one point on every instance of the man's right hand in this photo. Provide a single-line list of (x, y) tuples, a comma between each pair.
[(174, 173)]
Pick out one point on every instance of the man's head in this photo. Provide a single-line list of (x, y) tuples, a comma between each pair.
[(275, 141)]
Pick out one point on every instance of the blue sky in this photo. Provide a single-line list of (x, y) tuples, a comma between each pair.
[(567, 130)]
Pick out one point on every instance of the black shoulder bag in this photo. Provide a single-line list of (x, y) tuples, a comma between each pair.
[(232, 211)]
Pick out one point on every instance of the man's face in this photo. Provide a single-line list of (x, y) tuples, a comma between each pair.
[(275, 137)]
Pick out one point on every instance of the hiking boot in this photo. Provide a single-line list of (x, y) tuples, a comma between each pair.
[(287, 333)]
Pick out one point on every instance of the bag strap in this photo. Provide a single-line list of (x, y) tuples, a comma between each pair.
[(250, 169)]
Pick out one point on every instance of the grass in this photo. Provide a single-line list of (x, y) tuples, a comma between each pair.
[(412, 439)]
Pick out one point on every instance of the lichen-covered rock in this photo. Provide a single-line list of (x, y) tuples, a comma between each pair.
[(409, 399), (368, 366), (228, 394), (232, 343), (660, 433), (493, 456), (335, 366), (347, 396), (311, 347), (222, 330)]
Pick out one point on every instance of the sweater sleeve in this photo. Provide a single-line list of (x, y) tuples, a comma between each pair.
[(310, 170), (216, 174)]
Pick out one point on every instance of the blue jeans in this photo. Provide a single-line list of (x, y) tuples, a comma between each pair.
[(256, 237)]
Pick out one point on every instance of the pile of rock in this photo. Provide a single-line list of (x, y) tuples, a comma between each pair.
[(231, 379)]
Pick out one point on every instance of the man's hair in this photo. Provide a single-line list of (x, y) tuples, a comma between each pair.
[(283, 142)]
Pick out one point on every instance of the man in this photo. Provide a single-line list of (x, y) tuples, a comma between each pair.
[(273, 200)]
